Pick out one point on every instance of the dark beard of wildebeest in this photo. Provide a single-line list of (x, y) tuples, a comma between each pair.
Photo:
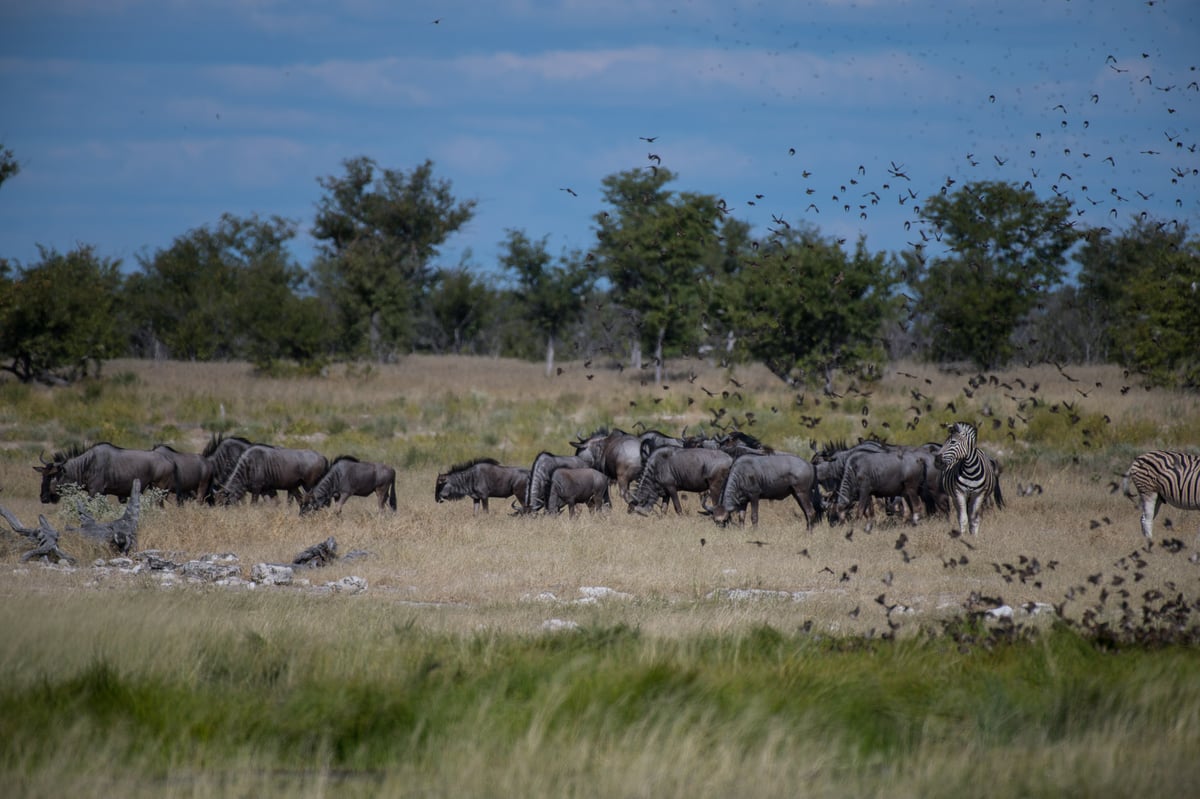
[(537, 493), (193, 472), (897, 472), (349, 477), (616, 453), (482, 479), (263, 470), (775, 476), (672, 469), (571, 487), (222, 454), (105, 469)]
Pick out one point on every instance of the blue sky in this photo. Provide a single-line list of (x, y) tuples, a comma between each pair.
[(136, 121)]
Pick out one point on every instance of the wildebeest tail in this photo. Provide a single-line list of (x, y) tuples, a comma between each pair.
[(392, 493), (814, 493)]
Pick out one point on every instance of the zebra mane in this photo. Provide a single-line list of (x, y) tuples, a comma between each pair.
[(462, 467)]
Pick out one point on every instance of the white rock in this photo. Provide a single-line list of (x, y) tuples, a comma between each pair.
[(348, 585), (559, 625), (272, 574)]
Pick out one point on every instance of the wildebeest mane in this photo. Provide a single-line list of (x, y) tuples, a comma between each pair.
[(217, 439), (349, 458), (462, 467)]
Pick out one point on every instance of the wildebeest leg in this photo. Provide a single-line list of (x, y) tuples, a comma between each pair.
[(484, 504), (806, 505), (1150, 505), (674, 495), (754, 511), (341, 502)]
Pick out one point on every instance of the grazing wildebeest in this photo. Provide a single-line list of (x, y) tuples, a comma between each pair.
[(673, 469), (193, 473), (262, 470), (480, 480), (1162, 476), (105, 469), (616, 453), (775, 476), (349, 477), (571, 487), (537, 493), (652, 440), (896, 472), (222, 454)]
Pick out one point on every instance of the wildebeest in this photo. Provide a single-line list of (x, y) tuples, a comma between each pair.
[(105, 469), (349, 477), (537, 493), (193, 473), (481, 479), (263, 470), (222, 454), (672, 469), (775, 476), (583, 486), (896, 472), (616, 453)]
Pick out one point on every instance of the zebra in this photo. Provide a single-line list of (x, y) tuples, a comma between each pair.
[(968, 476), (1160, 476)]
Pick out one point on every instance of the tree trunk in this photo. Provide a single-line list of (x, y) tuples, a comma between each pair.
[(635, 354), (658, 356), (549, 356), (375, 336)]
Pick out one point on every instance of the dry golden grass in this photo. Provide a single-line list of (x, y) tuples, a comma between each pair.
[(461, 570)]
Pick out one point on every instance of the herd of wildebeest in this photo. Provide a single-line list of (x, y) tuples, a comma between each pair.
[(731, 473)]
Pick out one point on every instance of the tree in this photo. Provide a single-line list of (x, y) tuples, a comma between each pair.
[(378, 231), (227, 291), (656, 249), (9, 167), (1145, 284), (59, 316), (803, 307), (459, 306), (550, 297), (1007, 249)]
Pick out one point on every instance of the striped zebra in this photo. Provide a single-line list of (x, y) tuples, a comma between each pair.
[(1160, 476), (968, 476)]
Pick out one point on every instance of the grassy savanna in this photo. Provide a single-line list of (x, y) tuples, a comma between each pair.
[(482, 660)]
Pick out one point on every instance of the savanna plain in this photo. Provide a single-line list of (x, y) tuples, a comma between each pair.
[(610, 654)]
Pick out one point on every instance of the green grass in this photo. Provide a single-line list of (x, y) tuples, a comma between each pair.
[(205, 684)]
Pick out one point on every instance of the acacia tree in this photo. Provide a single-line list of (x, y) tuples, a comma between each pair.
[(459, 307), (1006, 250), (1145, 283), (227, 291), (550, 297), (656, 248), (59, 316), (378, 232), (804, 308)]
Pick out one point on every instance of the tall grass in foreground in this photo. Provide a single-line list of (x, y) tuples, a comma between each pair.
[(197, 694)]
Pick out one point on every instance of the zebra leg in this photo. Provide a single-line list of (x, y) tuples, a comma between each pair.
[(1150, 505), (975, 506), (959, 500)]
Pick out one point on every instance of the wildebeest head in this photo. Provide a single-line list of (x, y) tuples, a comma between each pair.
[(51, 472)]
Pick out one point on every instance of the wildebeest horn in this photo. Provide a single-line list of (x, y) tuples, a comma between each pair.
[(41, 457)]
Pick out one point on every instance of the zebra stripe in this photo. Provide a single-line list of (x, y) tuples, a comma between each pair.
[(1160, 476), (968, 476)]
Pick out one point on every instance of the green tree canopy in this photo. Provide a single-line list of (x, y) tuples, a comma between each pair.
[(549, 297), (656, 248), (378, 231), (1146, 284), (459, 307), (1007, 249), (227, 291), (803, 307), (59, 315)]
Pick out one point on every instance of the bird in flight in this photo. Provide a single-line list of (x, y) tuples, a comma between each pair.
[(648, 139)]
